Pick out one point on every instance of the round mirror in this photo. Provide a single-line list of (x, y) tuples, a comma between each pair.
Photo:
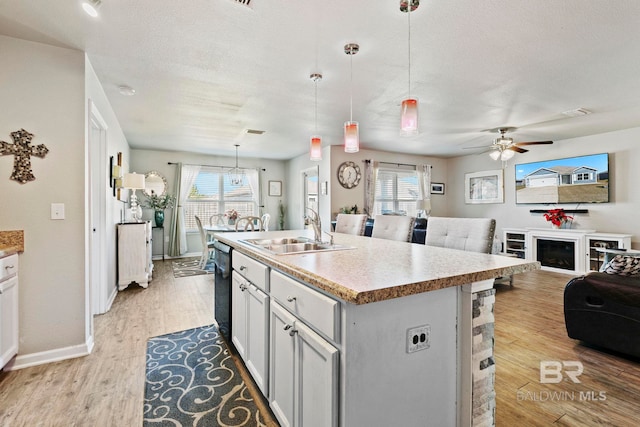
[(155, 184)]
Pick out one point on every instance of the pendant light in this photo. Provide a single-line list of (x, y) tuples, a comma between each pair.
[(409, 112), (351, 128), (236, 175), (316, 140)]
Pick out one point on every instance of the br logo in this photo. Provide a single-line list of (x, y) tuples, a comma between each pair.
[(551, 371)]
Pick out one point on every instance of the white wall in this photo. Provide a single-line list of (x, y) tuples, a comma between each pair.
[(143, 161), (618, 216), (43, 92)]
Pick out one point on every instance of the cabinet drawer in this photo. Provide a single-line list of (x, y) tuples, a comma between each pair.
[(254, 271), (320, 311)]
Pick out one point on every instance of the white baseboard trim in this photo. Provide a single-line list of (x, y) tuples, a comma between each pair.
[(22, 361), (112, 298)]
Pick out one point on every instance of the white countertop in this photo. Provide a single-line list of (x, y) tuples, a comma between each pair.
[(379, 269)]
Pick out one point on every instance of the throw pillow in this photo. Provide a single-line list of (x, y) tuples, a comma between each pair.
[(623, 265)]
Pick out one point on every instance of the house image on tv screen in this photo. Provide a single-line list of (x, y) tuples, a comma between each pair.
[(573, 180)]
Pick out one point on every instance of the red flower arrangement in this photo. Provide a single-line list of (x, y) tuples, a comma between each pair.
[(557, 217)]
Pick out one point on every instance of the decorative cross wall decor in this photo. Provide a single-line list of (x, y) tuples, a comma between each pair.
[(22, 152)]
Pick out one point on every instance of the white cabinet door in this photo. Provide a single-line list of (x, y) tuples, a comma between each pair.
[(8, 320), (303, 372), (281, 369), (257, 336), (250, 327), (239, 313), (317, 372)]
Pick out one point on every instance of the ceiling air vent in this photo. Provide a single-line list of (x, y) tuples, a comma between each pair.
[(246, 3), (255, 131)]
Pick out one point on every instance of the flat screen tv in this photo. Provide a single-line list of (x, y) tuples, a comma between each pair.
[(583, 179)]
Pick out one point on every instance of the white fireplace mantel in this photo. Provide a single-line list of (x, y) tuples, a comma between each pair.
[(523, 242), (577, 237)]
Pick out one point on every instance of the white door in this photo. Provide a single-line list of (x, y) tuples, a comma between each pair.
[(281, 365), (239, 314), (98, 292), (258, 335)]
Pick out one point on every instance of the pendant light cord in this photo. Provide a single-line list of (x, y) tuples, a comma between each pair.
[(351, 88), (409, 43), (316, 95)]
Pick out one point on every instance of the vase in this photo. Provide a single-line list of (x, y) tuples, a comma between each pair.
[(159, 217), (232, 221)]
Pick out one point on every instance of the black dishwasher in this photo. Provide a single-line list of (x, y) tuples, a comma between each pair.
[(222, 288)]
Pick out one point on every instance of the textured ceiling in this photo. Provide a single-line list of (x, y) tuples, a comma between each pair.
[(205, 71)]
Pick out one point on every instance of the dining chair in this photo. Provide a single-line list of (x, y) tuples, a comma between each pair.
[(249, 223), (393, 227), (351, 224), (216, 219), (266, 218), (467, 234), (207, 245)]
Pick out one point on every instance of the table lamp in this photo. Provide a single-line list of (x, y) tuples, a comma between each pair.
[(133, 182)]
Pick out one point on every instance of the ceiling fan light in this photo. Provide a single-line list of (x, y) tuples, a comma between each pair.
[(91, 7), (507, 154), (351, 137), (316, 148), (495, 154), (409, 117)]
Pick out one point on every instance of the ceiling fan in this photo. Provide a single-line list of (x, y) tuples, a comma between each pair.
[(503, 147)]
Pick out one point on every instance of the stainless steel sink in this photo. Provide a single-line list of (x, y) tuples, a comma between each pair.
[(286, 246)]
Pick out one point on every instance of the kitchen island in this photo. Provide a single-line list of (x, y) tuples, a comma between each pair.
[(382, 333)]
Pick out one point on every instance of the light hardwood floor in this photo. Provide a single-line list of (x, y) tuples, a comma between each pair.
[(106, 387)]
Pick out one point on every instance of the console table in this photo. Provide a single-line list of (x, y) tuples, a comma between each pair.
[(573, 251)]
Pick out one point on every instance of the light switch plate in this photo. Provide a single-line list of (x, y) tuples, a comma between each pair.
[(57, 210)]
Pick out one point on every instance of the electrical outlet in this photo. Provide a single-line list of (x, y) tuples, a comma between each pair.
[(418, 338)]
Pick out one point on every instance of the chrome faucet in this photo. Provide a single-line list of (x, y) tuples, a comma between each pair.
[(316, 224), (317, 227)]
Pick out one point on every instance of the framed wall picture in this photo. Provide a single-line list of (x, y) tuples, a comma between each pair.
[(275, 188), (437, 188), (484, 187)]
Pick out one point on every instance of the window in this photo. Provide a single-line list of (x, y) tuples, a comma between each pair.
[(212, 193), (397, 191)]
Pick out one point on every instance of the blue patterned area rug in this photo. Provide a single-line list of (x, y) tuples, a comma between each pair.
[(191, 267), (192, 380)]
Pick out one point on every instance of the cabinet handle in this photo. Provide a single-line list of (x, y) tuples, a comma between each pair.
[(292, 332), (243, 287), (291, 299), (242, 268)]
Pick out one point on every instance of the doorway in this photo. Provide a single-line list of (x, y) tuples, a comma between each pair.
[(98, 292), (310, 190)]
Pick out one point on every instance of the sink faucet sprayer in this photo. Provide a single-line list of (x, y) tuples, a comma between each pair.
[(317, 227)]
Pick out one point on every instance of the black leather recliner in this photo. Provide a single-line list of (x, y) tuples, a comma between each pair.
[(604, 310)]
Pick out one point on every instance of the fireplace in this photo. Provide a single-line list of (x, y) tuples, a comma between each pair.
[(556, 253)]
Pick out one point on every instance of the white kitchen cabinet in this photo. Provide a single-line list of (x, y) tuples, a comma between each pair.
[(303, 373), (134, 254), (8, 308), (250, 327)]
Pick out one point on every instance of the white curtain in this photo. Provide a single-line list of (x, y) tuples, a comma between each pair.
[(186, 177), (424, 175), (370, 177)]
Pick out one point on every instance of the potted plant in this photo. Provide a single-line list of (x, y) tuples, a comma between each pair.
[(232, 214), (159, 204), (557, 217)]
